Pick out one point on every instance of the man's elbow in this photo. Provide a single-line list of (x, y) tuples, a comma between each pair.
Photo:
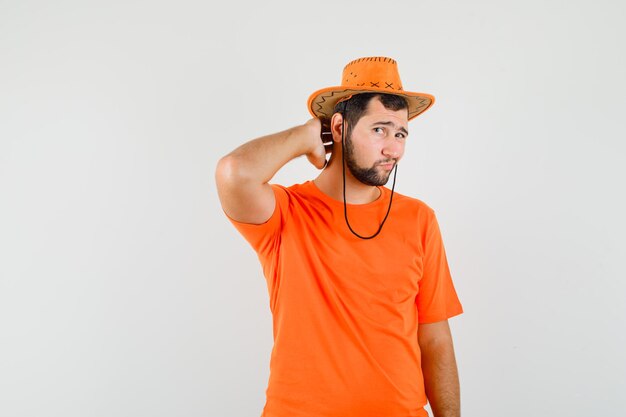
[(230, 172), (243, 197)]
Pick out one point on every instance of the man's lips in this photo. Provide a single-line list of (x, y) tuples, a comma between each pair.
[(387, 165)]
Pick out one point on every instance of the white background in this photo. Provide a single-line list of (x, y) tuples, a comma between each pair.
[(124, 291)]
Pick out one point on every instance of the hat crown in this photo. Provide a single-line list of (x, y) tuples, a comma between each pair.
[(372, 72)]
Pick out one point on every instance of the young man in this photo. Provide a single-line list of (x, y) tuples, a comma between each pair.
[(359, 285)]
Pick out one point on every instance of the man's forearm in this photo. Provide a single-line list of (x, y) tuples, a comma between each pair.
[(258, 160), (441, 379)]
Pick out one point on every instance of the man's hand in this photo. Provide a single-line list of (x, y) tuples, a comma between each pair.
[(317, 150)]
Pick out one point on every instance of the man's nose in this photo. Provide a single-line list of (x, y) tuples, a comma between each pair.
[(393, 149)]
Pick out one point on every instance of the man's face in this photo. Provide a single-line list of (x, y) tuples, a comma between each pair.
[(376, 143)]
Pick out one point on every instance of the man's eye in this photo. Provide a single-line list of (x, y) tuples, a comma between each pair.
[(378, 129)]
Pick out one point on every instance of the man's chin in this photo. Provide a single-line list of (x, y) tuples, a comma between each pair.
[(384, 178), (380, 181), (375, 176)]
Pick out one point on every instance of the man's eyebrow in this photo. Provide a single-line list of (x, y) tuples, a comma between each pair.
[(402, 129)]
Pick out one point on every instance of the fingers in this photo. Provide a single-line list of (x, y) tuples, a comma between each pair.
[(326, 137)]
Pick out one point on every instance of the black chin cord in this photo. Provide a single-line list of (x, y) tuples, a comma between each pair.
[(345, 207)]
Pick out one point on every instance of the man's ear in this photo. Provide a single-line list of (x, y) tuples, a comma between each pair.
[(335, 126)]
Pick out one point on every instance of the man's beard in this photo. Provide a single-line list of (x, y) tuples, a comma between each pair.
[(368, 176)]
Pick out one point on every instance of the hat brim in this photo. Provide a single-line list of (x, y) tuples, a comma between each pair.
[(322, 102)]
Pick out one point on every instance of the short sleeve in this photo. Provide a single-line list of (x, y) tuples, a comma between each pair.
[(265, 237), (437, 299)]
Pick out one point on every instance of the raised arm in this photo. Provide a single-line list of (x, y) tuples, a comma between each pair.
[(242, 176)]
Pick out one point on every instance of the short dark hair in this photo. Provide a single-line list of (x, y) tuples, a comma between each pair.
[(357, 105)]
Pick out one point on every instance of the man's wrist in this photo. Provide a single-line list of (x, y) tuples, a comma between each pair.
[(308, 134)]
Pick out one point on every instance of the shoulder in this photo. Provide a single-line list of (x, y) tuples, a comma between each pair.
[(292, 194), (411, 204), (290, 190)]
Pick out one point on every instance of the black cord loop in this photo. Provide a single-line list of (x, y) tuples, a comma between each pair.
[(345, 207)]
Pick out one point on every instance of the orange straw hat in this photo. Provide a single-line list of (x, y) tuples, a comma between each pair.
[(364, 75)]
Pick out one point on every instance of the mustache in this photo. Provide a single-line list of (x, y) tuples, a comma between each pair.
[(387, 161)]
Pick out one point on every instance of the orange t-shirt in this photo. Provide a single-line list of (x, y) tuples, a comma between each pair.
[(345, 310)]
